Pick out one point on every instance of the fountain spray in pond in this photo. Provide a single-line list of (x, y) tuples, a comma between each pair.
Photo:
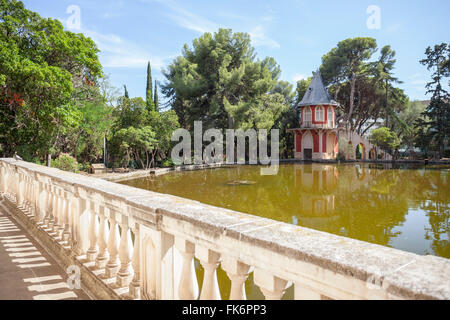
[(235, 144)]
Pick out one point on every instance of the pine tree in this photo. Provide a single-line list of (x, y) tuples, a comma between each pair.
[(149, 99), (438, 111), (126, 95), (156, 99)]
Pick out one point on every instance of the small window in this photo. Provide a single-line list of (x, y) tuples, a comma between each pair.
[(330, 114), (319, 114), (308, 115)]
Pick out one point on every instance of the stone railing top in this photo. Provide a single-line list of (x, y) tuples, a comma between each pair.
[(409, 275)]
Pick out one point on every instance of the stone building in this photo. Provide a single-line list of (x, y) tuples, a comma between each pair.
[(317, 136)]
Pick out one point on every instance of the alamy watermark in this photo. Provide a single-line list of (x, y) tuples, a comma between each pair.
[(74, 280), (374, 20), (213, 153), (74, 20)]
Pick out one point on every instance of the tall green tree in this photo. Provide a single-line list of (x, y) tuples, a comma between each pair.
[(384, 138), (149, 91), (156, 98), (348, 61), (41, 65), (438, 111), (126, 95), (220, 81), (383, 70)]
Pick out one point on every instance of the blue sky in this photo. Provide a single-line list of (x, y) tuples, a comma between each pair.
[(297, 33)]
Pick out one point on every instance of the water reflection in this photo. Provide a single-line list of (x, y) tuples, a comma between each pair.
[(404, 207)]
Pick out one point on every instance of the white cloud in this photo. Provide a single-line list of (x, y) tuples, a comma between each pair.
[(191, 21), (260, 39), (299, 77), (116, 52), (186, 19)]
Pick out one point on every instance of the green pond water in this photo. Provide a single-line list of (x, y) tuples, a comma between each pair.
[(404, 207)]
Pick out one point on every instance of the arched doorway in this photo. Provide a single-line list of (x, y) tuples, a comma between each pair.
[(372, 154), (307, 144), (360, 152)]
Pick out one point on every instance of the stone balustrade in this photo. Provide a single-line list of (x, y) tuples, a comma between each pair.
[(143, 245)]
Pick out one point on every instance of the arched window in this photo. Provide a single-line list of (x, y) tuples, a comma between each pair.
[(330, 116), (308, 115), (319, 114)]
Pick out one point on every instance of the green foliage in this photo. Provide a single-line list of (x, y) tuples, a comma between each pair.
[(66, 162), (167, 163), (384, 138), (156, 98), (40, 67), (139, 135), (437, 122), (149, 91), (220, 82)]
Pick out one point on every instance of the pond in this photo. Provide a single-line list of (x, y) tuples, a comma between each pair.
[(405, 207)]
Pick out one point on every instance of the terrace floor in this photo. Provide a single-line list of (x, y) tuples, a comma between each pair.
[(27, 271)]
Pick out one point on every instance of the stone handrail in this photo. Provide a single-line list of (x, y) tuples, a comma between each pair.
[(84, 214)]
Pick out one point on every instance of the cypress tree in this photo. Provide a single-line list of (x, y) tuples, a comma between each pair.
[(126, 92), (150, 104), (156, 99)]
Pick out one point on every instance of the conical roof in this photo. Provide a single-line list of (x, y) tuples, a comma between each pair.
[(317, 94)]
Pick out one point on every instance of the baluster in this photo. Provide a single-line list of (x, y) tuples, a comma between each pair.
[(3, 180), (210, 261), (188, 288), (61, 215), (125, 254), (82, 227), (51, 220), (19, 191), (75, 216), (67, 220), (46, 206), (135, 286), (238, 274), (56, 212), (93, 231), (103, 233), (113, 249), (271, 286)]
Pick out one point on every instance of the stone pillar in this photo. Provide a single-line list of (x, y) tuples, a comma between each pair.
[(238, 274), (135, 286), (103, 234), (113, 266), (188, 287), (67, 219), (3, 187), (210, 261), (124, 276), (82, 227), (93, 231), (271, 286)]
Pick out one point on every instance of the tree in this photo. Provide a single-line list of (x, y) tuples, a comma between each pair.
[(156, 99), (220, 82), (347, 62), (384, 138), (438, 111), (41, 66), (149, 90), (383, 71), (126, 95)]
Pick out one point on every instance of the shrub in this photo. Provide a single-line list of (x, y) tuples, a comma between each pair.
[(168, 163), (66, 162)]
